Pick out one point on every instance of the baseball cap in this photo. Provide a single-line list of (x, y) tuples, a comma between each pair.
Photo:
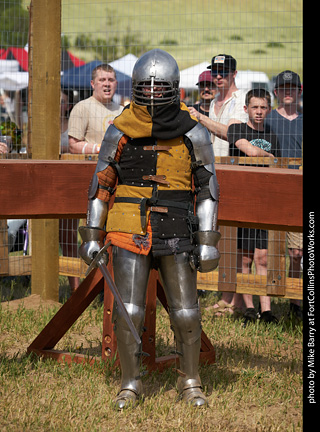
[(287, 77), (205, 76), (224, 60)]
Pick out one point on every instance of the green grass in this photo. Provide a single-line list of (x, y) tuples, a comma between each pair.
[(255, 385)]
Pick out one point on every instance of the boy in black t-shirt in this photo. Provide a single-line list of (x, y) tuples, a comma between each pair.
[(251, 139)]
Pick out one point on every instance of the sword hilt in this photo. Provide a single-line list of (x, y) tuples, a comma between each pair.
[(98, 257)]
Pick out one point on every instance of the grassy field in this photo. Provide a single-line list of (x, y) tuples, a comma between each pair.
[(255, 385), (261, 35)]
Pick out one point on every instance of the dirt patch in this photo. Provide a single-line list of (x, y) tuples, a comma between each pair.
[(34, 301)]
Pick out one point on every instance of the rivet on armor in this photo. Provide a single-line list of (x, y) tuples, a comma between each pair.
[(107, 352)]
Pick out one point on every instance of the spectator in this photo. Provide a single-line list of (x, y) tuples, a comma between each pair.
[(88, 122), (6, 107), (285, 120), (14, 227), (225, 109), (287, 123), (91, 117), (207, 91), (68, 228), (66, 104), (227, 106), (251, 139), (3, 147)]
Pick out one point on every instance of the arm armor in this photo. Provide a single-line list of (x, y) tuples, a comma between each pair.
[(106, 155), (206, 256), (204, 155), (97, 210)]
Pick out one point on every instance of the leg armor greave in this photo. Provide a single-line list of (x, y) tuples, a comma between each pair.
[(187, 329), (131, 273), (181, 292), (129, 351)]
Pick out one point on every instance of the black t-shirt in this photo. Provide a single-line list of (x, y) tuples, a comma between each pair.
[(198, 108), (266, 139)]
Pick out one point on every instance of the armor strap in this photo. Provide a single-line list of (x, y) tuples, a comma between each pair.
[(115, 164), (157, 148), (156, 178), (107, 188)]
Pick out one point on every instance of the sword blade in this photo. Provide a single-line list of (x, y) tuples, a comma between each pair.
[(113, 288)]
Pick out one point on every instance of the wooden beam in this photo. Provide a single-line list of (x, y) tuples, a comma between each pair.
[(45, 61), (251, 284), (267, 198), (44, 113)]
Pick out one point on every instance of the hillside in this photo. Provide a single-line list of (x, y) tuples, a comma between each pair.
[(260, 34)]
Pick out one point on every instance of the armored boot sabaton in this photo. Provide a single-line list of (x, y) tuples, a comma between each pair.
[(131, 386), (189, 383)]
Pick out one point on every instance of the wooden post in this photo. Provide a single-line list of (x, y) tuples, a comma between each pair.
[(228, 261), (44, 105), (4, 254)]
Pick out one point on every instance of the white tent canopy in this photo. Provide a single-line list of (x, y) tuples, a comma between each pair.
[(125, 64), (9, 66), (10, 77), (13, 81), (189, 77)]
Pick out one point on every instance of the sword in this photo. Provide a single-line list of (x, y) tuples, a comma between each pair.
[(99, 262)]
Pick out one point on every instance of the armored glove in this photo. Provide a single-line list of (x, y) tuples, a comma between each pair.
[(92, 242), (205, 256)]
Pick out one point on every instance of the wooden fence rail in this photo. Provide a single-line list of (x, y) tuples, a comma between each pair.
[(254, 197), (268, 198)]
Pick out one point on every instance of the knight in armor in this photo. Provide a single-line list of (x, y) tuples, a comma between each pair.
[(159, 163)]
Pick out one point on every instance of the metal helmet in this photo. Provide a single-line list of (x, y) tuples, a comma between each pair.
[(155, 79)]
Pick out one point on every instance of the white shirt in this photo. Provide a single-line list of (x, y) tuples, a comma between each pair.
[(232, 108), (89, 119)]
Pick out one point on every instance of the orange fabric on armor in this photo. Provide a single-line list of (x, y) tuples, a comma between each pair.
[(108, 177), (125, 241)]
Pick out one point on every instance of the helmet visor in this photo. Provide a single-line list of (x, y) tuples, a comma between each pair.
[(154, 93)]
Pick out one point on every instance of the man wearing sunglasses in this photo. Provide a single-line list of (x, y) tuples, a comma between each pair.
[(227, 106)]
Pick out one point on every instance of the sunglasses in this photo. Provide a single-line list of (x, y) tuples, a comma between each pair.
[(221, 72)]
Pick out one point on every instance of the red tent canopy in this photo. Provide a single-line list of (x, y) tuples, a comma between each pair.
[(19, 54), (68, 60)]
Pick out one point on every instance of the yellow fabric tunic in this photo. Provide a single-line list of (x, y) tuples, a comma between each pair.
[(159, 167), (174, 166)]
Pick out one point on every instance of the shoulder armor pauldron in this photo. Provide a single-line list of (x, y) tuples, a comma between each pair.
[(204, 155), (109, 144), (202, 147)]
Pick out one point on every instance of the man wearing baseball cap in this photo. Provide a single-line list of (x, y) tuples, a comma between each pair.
[(287, 123), (207, 91), (227, 106), (285, 120)]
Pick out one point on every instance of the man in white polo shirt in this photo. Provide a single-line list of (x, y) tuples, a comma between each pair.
[(91, 117), (227, 106)]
